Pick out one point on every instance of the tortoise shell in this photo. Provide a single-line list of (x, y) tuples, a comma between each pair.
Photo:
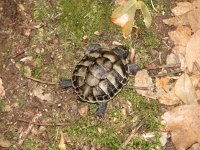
[(99, 76)]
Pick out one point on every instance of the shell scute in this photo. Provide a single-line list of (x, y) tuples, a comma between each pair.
[(99, 76)]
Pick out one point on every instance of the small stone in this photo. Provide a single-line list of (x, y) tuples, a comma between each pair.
[(83, 110), (85, 37), (25, 59), (99, 130), (116, 43), (27, 32), (97, 33)]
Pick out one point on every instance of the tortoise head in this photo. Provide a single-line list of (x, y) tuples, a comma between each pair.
[(121, 51)]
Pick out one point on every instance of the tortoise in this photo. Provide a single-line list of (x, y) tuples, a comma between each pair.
[(100, 75)]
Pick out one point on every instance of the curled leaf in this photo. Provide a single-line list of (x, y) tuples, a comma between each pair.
[(124, 15)]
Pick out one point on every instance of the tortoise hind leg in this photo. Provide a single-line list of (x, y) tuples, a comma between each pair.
[(66, 83), (102, 109)]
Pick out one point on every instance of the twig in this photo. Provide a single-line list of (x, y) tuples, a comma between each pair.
[(40, 81), (123, 146), (23, 135), (43, 124), (165, 66), (138, 87), (18, 56), (153, 6), (166, 74)]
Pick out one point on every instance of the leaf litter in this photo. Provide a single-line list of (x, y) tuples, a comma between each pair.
[(182, 89)]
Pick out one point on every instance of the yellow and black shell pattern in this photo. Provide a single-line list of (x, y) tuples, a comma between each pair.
[(99, 76)]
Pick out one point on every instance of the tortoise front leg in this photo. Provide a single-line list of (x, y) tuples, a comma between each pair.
[(102, 109), (92, 48), (133, 68)]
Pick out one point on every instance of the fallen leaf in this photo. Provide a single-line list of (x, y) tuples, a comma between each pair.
[(181, 8), (172, 59), (194, 19), (180, 37), (163, 83), (2, 90), (186, 14), (39, 93), (196, 83), (184, 124), (146, 14), (124, 15), (62, 145), (177, 21), (193, 52), (195, 147), (169, 98), (185, 90), (142, 79)]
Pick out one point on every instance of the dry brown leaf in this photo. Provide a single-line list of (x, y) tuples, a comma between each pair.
[(169, 98), (186, 14), (184, 124), (196, 83), (142, 79), (39, 93), (181, 8), (180, 37), (163, 83), (172, 59), (194, 19), (195, 147), (193, 52), (185, 90), (177, 21)]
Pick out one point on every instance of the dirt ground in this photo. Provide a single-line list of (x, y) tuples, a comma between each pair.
[(21, 101)]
